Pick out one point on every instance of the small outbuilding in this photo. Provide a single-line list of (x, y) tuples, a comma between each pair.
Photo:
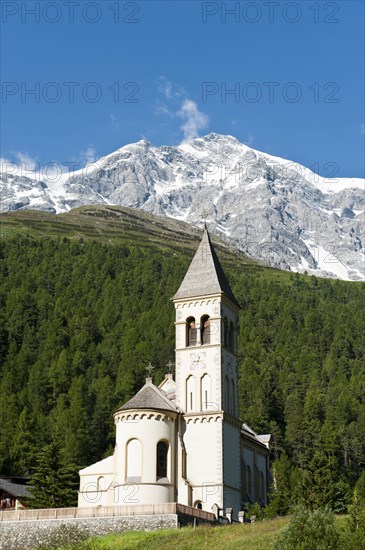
[(13, 494)]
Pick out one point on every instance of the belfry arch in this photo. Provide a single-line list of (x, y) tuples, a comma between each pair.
[(205, 329), (191, 332)]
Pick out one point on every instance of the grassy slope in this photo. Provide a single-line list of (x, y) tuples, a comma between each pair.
[(111, 224), (259, 536), (116, 224)]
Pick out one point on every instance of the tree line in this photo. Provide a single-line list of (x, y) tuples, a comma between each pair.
[(80, 320)]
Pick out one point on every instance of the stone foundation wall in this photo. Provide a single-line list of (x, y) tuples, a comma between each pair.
[(30, 534)]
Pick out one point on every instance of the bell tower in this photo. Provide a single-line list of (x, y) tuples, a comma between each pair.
[(207, 383)]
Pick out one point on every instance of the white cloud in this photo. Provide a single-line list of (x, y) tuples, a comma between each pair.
[(168, 89), (114, 121), (165, 87), (250, 139), (25, 166), (25, 160), (6, 165), (89, 155), (162, 109), (22, 165), (194, 119), (177, 104)]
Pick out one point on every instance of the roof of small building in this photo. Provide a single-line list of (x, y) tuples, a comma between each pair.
[(250, 434), (265, 438), (17, 490), (149, 397), (168, 386), (205, 275)]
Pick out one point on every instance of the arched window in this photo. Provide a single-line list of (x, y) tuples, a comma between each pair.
[(205, 391), (183, 463), (198, 504), (205, 329), (191, 332), (161, 460), (134, 460), (190, 393), (231, 337)]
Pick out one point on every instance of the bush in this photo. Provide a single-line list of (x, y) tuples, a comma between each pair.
[(353, 533), (254, 509), (309, 530)]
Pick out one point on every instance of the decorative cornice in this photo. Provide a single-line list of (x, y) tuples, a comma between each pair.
[(199, 347), (136, 416), (197, 300), (203, 417)]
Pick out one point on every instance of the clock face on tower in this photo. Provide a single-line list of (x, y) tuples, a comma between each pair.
[(197, 361)]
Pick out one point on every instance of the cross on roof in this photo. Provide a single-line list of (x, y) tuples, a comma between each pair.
[(204, 216), (149, 368), (170, 366)]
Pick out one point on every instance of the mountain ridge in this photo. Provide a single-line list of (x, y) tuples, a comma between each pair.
[(274, 210)]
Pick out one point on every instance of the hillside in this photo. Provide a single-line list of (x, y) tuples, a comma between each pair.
[(85, 305), (301, 531), (113, 224), (273, 209), (259, 536)]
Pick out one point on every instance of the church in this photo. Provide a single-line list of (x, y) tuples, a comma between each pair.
[(183, 441)]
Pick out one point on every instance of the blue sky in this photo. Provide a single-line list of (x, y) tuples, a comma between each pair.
[(109, 73)]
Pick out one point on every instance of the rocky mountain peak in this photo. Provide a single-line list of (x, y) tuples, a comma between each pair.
[(275, 210)]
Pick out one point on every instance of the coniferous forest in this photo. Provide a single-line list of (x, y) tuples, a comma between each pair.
[(80, 320)]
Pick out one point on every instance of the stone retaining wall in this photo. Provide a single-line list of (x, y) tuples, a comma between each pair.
[(29, 535)]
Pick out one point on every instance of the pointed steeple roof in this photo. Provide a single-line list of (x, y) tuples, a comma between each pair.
[(149, 397), (205, 275)]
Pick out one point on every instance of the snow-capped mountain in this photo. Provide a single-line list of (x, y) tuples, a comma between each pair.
[(273, 209)]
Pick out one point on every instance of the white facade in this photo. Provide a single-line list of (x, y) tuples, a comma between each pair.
[(130, 475), (206, 391), (183, 441)]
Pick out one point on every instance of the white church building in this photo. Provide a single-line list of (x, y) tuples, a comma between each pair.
[(183, 441)]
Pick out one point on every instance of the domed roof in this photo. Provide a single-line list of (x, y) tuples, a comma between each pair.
[(149, 397)]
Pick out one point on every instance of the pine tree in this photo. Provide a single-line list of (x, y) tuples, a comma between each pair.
[(360, 486), (354, 532), (280, 496), (356, 517), (54, 483), (22, 452), (320, 486)]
